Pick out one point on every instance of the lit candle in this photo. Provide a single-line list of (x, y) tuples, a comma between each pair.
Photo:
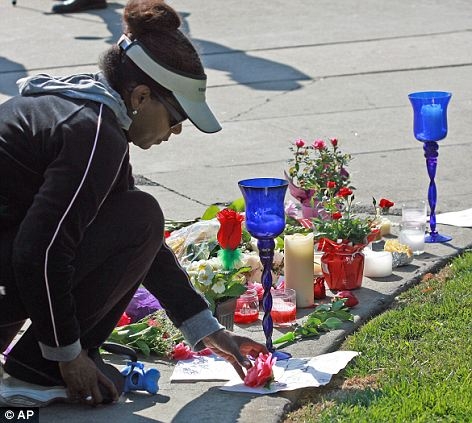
[(377, 264), (298, 267), (432, 116)]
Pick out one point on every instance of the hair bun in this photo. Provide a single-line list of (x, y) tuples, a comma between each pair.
[(144, 16)]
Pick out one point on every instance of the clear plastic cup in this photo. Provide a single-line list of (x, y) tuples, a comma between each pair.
[(414, 211), (413, 234), (284, 308)]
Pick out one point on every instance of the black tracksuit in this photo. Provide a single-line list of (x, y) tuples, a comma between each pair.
[(76, 238)]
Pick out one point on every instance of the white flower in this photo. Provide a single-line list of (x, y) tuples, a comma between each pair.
[(219, 287), (205, 275)]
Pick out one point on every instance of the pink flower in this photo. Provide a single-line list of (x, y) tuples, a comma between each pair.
[(334, 141), (291, 209), (319, 144), (261, 372), (299, 143), (181, 352)]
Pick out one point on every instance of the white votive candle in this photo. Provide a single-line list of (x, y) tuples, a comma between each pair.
[(377, 264), (317, 264), (385, 226), (298, 267)]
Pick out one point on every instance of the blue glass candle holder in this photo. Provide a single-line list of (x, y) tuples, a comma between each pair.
[(265, 220), (430, 126)]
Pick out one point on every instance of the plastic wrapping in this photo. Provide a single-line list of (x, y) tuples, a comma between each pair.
[(194, 242)]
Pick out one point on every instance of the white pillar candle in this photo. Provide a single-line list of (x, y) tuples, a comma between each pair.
[(298, 267), (377, 264)]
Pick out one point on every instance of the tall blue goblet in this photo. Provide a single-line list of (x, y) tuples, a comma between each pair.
[(429, 126), (265, 220)]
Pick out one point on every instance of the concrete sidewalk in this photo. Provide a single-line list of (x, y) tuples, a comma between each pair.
[(279, 71)]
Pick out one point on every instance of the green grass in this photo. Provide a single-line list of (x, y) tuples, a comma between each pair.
[(415, 363)]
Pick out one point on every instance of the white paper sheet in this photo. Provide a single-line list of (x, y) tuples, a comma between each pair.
[(203, 368), (289, 374), (296, 373), (461, 218)]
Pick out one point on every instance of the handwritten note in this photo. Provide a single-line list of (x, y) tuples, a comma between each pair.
[(289, 374)]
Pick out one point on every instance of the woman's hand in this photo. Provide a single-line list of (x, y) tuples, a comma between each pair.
[(82, 377), (235, 349)]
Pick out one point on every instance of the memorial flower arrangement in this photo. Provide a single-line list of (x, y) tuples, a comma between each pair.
[(340, 224), (154, 333), (218, 278), (342, 236), (313, 166)]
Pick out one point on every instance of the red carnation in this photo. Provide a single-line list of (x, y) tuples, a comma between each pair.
[(334, 141), (331, 184), (385, 204), (336, 215), (230, 232), (344, 192)]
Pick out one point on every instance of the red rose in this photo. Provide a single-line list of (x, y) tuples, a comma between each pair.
[(230, 232), (351, 299), (336, 215), (331, 184), (385, 204), (319, 144), (261, 372), (334, 141), (299, 143), (319, 289), (344, 192)]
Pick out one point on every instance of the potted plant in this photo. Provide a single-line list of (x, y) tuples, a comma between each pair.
[(311, 168), (341, 235)]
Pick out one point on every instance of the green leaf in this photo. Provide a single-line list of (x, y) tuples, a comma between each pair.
[(143, 346), (210, 212), (333, 323), (343, 315), (238, 205), (323, 307), (142, 332), (235, 290), (246, 236), (288, 337), (279, 243), (338, 305)]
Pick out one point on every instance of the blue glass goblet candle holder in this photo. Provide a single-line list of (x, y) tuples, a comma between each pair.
[(430, 126), (265, 220)]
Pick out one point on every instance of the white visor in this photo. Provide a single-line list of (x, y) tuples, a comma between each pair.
[(188, 90)]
